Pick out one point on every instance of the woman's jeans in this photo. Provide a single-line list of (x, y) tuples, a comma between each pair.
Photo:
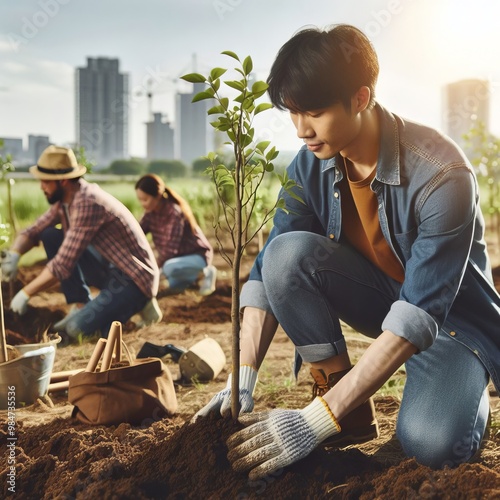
[(119, 297), (182, 272), (312, 283)]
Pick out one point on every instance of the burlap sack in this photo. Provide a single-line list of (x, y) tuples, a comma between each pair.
[(136, 392)]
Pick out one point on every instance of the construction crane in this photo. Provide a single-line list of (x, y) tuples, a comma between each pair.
[(149, 92)]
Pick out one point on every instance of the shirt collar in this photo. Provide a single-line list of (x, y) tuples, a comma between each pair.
[(388, 163)]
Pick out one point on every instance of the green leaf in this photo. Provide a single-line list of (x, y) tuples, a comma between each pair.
[(200, 96), (216, 110), (272, 154), (194, 78), (259, 86), (262, 107), (215, 85), (248, 105), (241, 72), (262, 146), (217, 73), (247, 65), (221, 170), (281, 203), (247, 140), (239, 98), (235, 84), (230, 54)]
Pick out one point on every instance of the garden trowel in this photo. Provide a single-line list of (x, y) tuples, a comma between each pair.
[(149, 350), (203, 361)]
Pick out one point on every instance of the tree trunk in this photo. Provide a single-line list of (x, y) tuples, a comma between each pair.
[(235, 324), (3, 337), (12, 217)]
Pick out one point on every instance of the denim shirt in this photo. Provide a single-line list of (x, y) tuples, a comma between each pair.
[(429, 213)]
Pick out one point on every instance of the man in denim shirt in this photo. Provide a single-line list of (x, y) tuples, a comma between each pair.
[(389, 238)]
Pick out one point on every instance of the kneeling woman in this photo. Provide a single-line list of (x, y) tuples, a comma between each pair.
[(183, 252)]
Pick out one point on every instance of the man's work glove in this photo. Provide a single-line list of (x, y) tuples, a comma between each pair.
[(278, 438), (222, 400), (19, 304), (10, 259)]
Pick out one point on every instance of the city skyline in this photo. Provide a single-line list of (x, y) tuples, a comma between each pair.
[(421, 47)]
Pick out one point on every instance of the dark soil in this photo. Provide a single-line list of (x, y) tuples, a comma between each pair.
[(59, 457), (66, 459)]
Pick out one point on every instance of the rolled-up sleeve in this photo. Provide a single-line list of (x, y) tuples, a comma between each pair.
[(254, 295), (411, 323)]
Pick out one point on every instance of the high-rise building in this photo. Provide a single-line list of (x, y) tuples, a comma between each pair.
[(36, 145), (12, 146), (160, 139), (465, 102), (102, 101), (194, 136)]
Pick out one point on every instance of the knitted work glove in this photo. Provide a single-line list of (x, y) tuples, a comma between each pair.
[(279, 438), (19, 304), (222, 400), (10, 259)]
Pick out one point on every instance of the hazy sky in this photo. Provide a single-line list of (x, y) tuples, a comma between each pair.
[(422, 45)]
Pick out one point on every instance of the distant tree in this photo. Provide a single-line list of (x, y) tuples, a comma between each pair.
[(6, 166), (82, 159), (485, 157), (167, 168), (158, 167), (126, 167), (200, 165)]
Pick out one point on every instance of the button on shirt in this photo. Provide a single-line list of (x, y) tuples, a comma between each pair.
[(97, 218)]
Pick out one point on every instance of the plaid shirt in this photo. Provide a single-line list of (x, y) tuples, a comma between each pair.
[(97, 218), (172, 234)]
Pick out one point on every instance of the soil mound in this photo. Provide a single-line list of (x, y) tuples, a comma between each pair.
[(170, 459)]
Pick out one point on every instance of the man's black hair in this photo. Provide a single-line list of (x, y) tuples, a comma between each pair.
[(316, 69)]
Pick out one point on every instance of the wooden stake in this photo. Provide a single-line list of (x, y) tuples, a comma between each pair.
[(3, 336), (114, 336), (64, 375), (59, 386), (96, 355)]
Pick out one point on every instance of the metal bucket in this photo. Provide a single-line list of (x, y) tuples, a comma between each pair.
[(25, 379)]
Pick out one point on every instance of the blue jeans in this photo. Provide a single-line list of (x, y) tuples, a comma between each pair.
[(183, 271), (312, 283), (119, 298)]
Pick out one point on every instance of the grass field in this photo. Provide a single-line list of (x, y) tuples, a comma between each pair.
[(28, 201)]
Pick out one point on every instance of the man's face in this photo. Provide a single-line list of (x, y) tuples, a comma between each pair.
[(52, 190), (327, 131)]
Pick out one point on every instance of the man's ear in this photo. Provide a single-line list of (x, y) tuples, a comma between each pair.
[(64, 183), (361, 99)]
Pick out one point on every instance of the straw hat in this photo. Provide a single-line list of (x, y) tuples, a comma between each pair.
[(56, 163)]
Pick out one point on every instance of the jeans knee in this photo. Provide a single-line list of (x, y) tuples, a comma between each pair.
[(291, 253), (51, 239), (437, 447)]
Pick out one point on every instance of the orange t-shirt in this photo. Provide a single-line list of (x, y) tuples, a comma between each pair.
[(361, 226)]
